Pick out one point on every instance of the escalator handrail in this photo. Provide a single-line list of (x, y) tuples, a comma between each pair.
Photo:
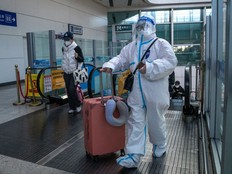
[(187, 84), (42, 72)]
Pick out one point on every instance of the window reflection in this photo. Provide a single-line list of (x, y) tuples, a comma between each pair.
[(192, 15), (187, 53), (221, 78), (128, 17), (187, 33), (42, 45), (208, 11), (160, 16), (164, 31), (131, 20), (187, 29)]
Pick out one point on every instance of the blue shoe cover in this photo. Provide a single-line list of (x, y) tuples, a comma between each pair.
[(129, 160), (159, 151)]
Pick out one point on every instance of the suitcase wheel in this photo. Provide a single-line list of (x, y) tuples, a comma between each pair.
[(95, 158), (122, 152), (87, 154)]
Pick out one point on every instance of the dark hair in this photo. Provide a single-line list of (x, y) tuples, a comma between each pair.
[(80, 54), (177, 82)]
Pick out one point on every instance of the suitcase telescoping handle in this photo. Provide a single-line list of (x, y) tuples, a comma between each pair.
[(101, 87)]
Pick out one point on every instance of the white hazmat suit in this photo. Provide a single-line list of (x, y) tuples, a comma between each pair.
[(149, 98)]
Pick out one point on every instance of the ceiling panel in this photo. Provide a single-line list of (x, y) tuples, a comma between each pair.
[(177, 1), (146, 3), (123, 3)]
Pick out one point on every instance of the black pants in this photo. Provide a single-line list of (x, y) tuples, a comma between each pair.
[(71, 91)]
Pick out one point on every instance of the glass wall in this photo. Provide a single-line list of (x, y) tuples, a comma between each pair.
[(101, 52), (124, 17), (226, 157), (183, 29), (59, 54), (187, 33), (220, 76), (164, 31), (218, 83), (87, 49), (187, 15), (161, 17), (95, 52), (42, 51), (188, 26)]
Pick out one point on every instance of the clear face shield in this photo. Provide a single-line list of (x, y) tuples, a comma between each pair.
[(145, 26)]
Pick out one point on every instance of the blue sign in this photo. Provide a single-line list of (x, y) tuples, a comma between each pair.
[(8, 18), (41, 63)]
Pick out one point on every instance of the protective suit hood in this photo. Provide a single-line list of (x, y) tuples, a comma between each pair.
[(145, 28)]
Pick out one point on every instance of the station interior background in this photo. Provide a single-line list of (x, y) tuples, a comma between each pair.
[(184, 26)]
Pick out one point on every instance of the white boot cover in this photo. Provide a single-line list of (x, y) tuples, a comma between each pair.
[(129, 160), (159, 151)]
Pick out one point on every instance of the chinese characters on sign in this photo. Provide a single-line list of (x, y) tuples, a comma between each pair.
[(121, 28), (76, 29), (8, 18)]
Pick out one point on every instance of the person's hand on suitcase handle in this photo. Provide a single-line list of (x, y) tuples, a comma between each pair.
[(105, 69)]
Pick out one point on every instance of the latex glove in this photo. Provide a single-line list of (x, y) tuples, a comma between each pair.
[(107, 70)]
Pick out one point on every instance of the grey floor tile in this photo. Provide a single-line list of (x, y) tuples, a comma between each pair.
[(47, 170), (8, 111), (10, 165), (14, 166)]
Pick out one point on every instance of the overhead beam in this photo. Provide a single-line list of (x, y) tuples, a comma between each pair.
[(111, 3), (129, 2)]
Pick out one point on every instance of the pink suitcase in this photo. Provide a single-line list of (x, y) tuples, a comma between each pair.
[(99, 136)]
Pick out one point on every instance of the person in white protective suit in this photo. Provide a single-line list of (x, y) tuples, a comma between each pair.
[(149, 98)]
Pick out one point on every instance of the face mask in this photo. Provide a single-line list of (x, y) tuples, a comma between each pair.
[(67, 43), (144, 33), (144, 28), (177, 86)]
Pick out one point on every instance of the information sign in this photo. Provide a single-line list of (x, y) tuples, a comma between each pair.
[(8, 18), (57, 79), (76, 29), (123, 28)]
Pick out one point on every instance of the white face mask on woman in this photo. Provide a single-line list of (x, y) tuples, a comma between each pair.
[(67, 43)]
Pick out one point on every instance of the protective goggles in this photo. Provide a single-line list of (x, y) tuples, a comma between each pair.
[(140, 25), (142, 22)]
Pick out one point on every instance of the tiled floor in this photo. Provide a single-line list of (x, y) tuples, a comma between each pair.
[(36, 140), (8, 112)]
